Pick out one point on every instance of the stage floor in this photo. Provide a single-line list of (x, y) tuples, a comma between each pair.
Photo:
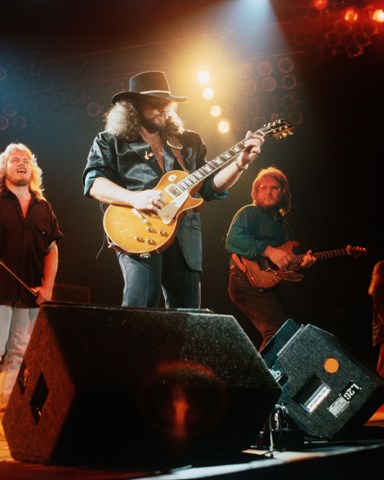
[(314, 459)]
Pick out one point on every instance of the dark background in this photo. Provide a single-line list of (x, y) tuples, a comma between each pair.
[(61, 62)]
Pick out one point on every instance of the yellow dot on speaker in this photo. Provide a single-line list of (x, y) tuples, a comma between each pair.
[(331, 365)]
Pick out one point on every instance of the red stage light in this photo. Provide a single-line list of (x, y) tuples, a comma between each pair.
[(351, 15), (320, 4), (378, 15)]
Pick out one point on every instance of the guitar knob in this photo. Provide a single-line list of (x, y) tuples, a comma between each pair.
[(150, 241), (151, 230), (163, 233), (139, 239)]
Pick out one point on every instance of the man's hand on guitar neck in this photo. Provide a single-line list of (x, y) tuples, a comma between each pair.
[(282, 256), (308, 260)]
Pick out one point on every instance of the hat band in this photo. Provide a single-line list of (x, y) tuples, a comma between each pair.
[(147, 92)]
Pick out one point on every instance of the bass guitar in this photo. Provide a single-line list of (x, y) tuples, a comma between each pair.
[(145, 233), (263, 273)]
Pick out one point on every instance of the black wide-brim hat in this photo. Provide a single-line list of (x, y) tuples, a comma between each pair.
[(152, 84)]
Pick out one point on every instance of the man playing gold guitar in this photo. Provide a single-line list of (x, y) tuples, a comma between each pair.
[(260, 231), (145, 142)]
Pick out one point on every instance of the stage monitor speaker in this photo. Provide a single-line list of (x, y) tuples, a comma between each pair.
[(136, 387), (326, 390)]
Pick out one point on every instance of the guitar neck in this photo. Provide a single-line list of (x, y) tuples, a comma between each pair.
[(297, 259), (278, 129), (198, 176)]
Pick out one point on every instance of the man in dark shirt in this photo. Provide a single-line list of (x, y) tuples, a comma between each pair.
[(29, 233), (260, 231), (143, 141)]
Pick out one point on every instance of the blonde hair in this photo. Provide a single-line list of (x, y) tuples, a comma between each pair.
[(36, 182), (377, 277), (282, 179)]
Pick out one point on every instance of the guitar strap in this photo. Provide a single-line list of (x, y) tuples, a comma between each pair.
[(176, 147)]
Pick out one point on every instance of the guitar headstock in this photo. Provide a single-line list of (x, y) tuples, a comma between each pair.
[(278, 129), (356, 251)]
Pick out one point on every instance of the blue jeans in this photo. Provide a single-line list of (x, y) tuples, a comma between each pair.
[(16, 325), (146, 280)]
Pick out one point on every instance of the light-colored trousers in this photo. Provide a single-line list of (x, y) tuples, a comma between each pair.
[(16, 325)]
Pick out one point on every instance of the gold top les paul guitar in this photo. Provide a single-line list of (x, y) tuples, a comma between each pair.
[(262, 273), (145, 233)]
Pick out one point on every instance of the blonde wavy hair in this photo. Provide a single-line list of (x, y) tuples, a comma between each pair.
[(377, 277), (36, 182), (282, 179)]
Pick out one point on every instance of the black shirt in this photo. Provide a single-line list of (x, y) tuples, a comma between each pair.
[(24, 243)]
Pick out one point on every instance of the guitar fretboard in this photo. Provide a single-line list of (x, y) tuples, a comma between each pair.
[(350, 251), (193, 179)]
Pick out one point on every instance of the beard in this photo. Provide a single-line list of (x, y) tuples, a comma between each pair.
[(154, 125)]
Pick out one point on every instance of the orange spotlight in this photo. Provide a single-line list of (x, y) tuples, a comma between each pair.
[(351, 15), (378, 15), (320, 4)]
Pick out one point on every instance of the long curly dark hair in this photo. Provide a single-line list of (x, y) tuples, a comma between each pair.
[(123, 120)]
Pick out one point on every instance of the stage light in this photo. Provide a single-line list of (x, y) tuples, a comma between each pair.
[(93, 109), (19, 122), (10, 110), (333, 38), (265, 68), (354, 49), (362, 39), (320, 4), (378, 15), (4, 123), (286, 65), (203, 77), (289, 82), (223, 126), (351, 15), (208, 93), (268, 84), (215, 111)]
